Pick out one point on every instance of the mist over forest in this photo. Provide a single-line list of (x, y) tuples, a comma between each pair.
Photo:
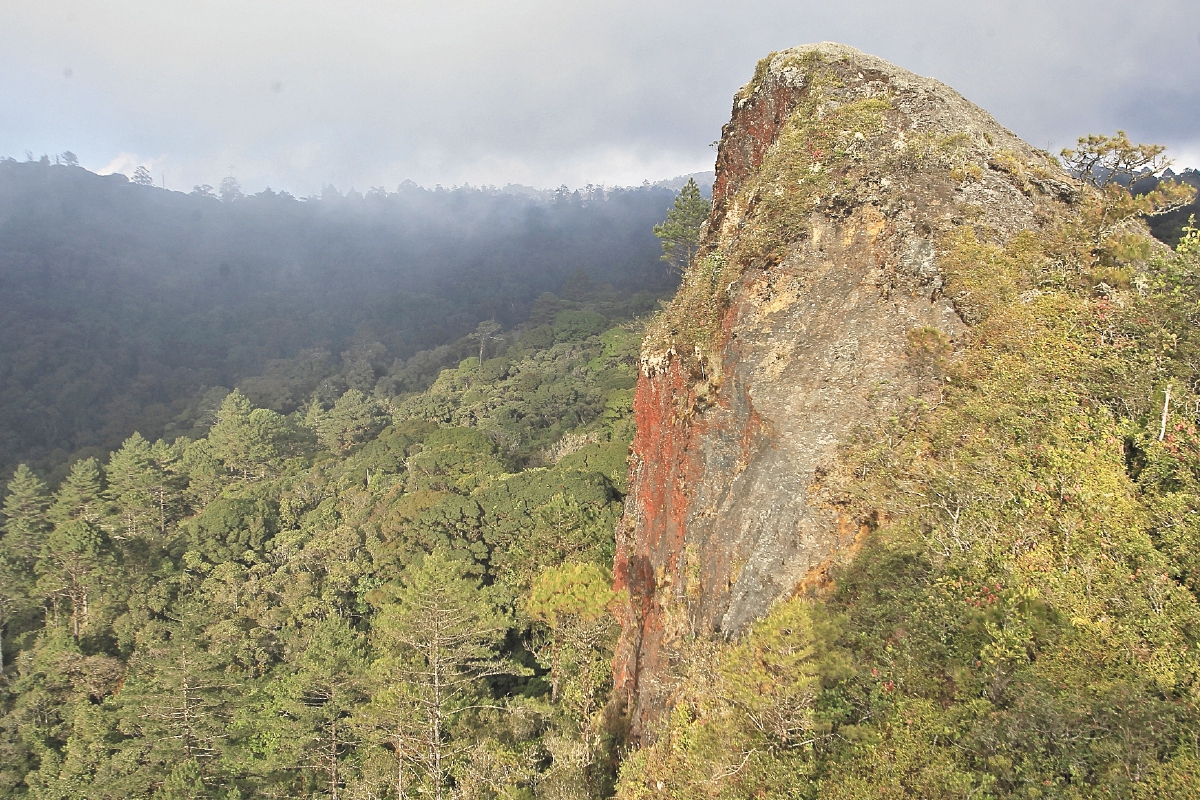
[(875, 473), (122, 305)]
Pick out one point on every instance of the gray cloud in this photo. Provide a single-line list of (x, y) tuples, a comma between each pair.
[(299, 94)]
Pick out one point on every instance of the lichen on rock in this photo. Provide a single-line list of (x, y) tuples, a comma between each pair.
[(840, 180)]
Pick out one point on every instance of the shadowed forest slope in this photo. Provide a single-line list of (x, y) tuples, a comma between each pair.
[(121, 305)]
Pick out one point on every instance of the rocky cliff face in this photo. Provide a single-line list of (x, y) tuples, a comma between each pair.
[(804, 318)]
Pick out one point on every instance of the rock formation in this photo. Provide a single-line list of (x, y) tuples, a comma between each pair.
[(792, 330)]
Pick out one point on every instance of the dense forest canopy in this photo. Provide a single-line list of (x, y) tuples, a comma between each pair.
[(379, 567), (122, 304), (356, 601)]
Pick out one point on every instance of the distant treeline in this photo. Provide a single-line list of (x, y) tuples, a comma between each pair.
[(123, 305), (1169, 227)]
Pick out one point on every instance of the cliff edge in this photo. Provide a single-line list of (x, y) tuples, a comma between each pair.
[(802, 320)]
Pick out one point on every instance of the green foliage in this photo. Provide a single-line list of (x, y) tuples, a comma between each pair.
[(25, 521), (453, 460), (172, 713), (571, 591), (307, 718), (247, 441), (184, 783), (231, 528), (540, 390), (354, 419), (747, 725), (441, 632), (572, 602), (680, 231), (1021, 620), (133, 478), (261, 612), (79, 496), (69, 569), (1189, 243), (574, 326)]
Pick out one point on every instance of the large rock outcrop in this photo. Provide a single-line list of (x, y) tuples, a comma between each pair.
[(836, 178)]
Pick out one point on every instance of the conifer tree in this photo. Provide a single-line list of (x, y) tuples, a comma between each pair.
[(79, 496), (353, 419), (14, 594), (572, 603), (41, 714), (485, 332), (184, 783), (441, 631), (68, 569), (245, 439), (680, 231), (316, 698), (177, 700), (391, 720), (133, 478), (232, 437), (206, 475), (25, 522), (165, 458)]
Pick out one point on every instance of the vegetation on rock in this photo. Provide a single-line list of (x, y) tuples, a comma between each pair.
[(1021, 619)]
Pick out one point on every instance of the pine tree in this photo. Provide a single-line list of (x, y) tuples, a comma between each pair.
[(184, 783), (132, 479), (231, 437), (25, 522), (441, 631), (205, 473), (14, 595), (79, 496), (354, 418), (177, 700), (485, 332), (572, 603), (316, 697), (165, 459), (245, 439), (69, 567), (392, 721), (680, 232), (142, 176)]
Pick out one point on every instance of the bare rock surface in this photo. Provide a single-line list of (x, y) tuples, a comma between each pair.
[(728, 510)]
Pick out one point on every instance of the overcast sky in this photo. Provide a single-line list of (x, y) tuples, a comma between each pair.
[(303, 93)]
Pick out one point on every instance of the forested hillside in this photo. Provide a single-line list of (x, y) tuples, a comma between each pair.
[(358, 599), (124, 306), (325, 498)]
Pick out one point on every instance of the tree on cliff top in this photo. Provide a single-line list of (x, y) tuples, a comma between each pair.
[(680, 231)]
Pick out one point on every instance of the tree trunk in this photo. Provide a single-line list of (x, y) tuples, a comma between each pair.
[(435, 668), (333, 759)]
